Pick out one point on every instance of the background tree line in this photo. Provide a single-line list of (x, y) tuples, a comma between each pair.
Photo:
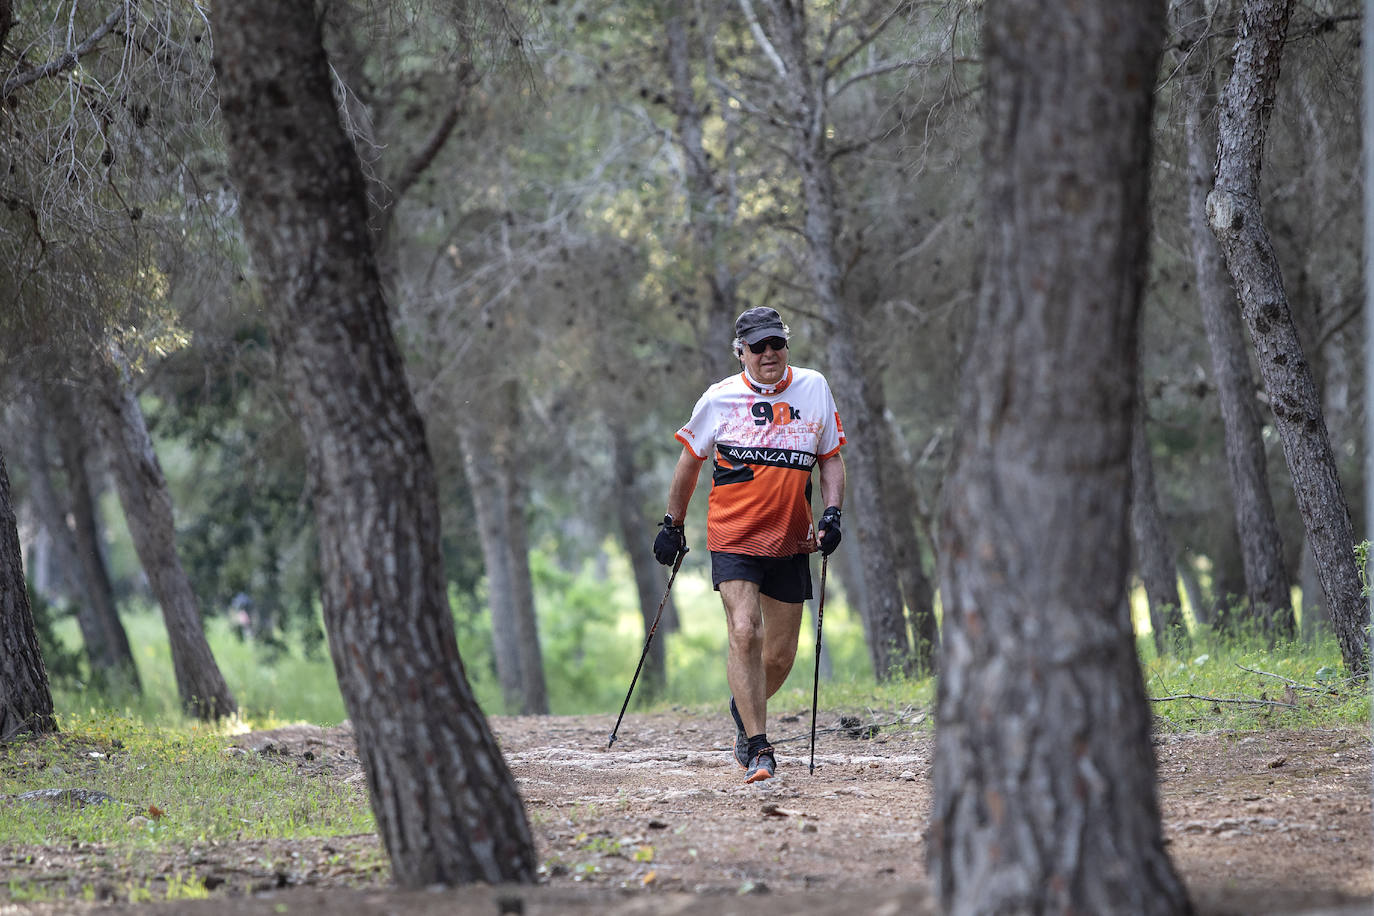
[(633, 176)]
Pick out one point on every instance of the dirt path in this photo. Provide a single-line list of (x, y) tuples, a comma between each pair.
[(1267, 823)]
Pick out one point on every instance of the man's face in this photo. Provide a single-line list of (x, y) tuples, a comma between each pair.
[(768, 366)]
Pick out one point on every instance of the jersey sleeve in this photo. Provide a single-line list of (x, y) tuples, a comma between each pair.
[(832, 432), (699, 433)]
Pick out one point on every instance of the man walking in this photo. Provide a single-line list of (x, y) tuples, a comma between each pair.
[(768, 426)]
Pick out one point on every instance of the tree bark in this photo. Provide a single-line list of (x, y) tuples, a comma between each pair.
[(107, 644), (25, 698), (1154, 549), (491, 464), (148, 510), (855, 393), (1235, 215), (710, 212), (1045, 784), (446, 805), (1267, 583), (1334, 300)]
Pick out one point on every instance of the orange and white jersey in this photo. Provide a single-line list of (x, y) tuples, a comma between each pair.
[(765, 446)]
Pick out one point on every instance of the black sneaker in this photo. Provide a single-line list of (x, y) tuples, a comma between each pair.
[(762, 766), (741, 739)]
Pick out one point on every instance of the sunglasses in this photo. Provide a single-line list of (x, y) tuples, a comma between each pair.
[(775, 343)]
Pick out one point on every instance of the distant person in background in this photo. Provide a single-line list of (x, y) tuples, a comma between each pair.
[(767, 427)]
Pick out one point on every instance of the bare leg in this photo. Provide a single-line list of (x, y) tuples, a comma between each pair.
[(781, 626), (744, 668), (763, 645)]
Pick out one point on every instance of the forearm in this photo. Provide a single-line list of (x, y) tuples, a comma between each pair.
[(832, 480), (684, 484)]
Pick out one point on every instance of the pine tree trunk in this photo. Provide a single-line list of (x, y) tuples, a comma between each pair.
[(1234, 213), (1154, 548), (710, 212), (866, 515), (917, 590), (1045, 784), (446, 805), (148, 510), (533, 687), (491, 527), (1267, 583), (25, 699), (494, 481), (107, 644)]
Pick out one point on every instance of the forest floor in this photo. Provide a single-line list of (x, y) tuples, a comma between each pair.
[(1262, 822)]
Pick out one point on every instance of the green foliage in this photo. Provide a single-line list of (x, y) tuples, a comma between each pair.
[(579, 621), (1362, 564), (272, 684), (64, 664), (592, 635)]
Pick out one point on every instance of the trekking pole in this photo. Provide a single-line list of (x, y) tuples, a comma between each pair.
[(645, 653), (816, 682)]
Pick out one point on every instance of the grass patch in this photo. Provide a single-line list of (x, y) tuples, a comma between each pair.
[(172, 786), (1229, 684)]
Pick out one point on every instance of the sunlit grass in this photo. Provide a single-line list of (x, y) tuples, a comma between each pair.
[(172, 786), (1240, 684), (270, 687)]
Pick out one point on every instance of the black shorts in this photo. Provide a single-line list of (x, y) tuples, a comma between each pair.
[(785, 579)]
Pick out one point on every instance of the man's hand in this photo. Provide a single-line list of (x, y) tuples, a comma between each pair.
[(830, 529), (671, 541)]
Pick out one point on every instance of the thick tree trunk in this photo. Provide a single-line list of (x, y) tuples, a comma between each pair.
[(1154, 549), (1235, 215), (148, 510), (446, 804), (855, 393), (25, 699), (1267, 584), (1045, 784), (107, 644)]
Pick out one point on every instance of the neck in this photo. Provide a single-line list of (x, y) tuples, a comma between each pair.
[(763, 387)]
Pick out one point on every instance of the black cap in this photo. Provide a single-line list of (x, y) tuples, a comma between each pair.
[(755, 324)]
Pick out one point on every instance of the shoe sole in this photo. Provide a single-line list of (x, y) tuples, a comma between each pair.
[(760, 776)]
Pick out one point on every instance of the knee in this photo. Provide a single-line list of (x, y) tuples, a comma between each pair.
[(746, 634)]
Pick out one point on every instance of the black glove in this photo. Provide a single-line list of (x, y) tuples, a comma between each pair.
[(830, 529), (671, 541)]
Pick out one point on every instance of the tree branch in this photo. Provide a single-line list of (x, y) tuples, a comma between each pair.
[(1297, 685), (762, 38), (66, 61), (424, 157), (1242, 701), (864, 41)]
